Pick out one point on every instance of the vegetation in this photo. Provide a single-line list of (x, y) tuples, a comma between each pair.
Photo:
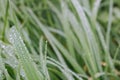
[(59, 40)]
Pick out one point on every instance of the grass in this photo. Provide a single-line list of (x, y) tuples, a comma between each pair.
[(59, 40)]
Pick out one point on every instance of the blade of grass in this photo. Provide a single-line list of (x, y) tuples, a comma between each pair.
[(26, 61), (109, 23), (5, 21), (92, 50)]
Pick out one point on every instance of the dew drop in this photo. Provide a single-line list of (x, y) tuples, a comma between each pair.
[(22, 73)]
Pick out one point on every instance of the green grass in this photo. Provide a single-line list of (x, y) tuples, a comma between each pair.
[(59, 40)]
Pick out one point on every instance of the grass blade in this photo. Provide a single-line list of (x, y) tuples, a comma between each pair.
[(24, 56)]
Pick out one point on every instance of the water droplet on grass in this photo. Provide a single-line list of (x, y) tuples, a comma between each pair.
[(22, 73)]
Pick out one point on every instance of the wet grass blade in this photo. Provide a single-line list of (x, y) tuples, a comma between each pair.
[(24, 56)]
